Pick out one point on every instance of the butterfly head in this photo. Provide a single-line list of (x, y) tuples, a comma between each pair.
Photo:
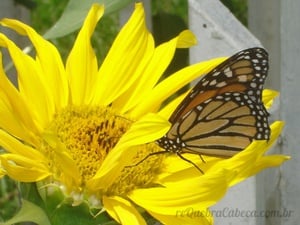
[(171, 145)]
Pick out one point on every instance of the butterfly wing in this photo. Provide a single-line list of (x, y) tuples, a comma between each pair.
[(244, 72), (223, 113), (221, 126)]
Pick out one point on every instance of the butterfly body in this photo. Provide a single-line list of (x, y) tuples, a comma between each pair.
[(224, 112)]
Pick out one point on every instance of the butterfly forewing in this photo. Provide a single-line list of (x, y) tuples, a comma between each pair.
[(243, 72), (223, 113)]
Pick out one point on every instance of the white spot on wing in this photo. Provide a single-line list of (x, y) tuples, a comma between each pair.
[(242, 78)]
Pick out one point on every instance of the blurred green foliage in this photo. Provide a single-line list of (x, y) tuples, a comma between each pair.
[(176, 7), (46, 12), (9, 198), (239, 8)]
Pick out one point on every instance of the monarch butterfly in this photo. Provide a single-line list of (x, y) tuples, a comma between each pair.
[(224, 112)]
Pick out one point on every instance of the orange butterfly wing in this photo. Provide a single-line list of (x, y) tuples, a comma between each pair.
[(223, 113)]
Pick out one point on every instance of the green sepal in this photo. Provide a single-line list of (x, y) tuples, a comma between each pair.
[(61, 210), (48, 206), (76, 215)]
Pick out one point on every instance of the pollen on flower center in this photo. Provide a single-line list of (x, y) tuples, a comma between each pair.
[(80, 139), (88, 134)]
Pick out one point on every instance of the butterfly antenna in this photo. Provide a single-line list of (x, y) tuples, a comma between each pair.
[(189, 161), (147, 156)]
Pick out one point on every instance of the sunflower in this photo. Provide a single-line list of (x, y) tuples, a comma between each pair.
[(83, 129)]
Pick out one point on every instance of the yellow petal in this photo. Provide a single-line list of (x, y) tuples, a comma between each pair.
[(167, 110), (49, 64), (187, 39), (15, 115), (11, 122), (268, 96), (23, 169), (29, 83), (128, 55), (147, 129), (25, 163), (177, 169), (81, 66), (63, 159), (123, 211), (172, 84), (198, 192), (267, 162), (152, 72), (13, 145)]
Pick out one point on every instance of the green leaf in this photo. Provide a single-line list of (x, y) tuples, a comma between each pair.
[(75, 12), (60, 210), (29, 212), (29, 191), (76, 215)]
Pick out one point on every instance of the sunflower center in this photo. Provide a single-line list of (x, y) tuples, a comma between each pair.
[(87, 135), (141, 173)]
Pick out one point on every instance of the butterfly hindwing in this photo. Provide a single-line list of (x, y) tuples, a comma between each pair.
[(221, 126)]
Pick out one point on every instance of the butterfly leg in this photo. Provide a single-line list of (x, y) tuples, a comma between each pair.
[(189, 161), (202, 159)]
